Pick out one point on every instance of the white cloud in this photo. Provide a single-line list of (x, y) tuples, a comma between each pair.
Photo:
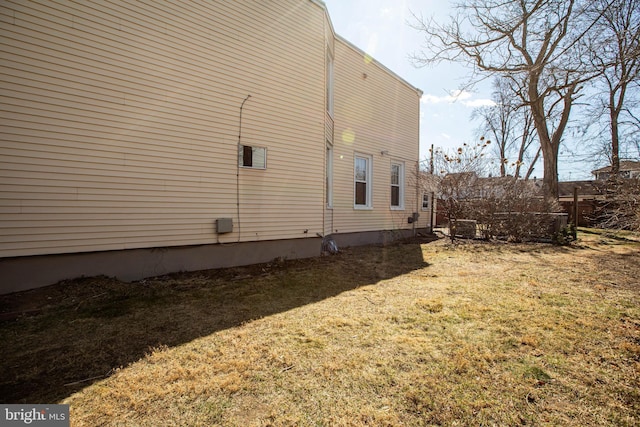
[(445, 135), (429, 99), (461, 96), (482, 102), (456, 95)]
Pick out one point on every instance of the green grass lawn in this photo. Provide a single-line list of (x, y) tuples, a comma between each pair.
[(415, 334)]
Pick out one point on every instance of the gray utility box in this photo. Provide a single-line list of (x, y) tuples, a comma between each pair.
[(224, 225)]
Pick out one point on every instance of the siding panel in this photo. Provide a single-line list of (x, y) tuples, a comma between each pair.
[(375, 112), (120, 123)]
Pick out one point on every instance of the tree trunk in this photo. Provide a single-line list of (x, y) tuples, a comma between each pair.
[(615, 148), (550, 180), (614, 113), (549, 149), (550, 144)]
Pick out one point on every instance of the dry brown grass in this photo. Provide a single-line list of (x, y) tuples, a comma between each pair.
[(409, 334)]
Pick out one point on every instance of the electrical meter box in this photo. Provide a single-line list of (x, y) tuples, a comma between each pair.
[(224, 225)]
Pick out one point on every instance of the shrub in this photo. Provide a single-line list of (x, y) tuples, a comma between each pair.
[(620, 208), (504, 208)]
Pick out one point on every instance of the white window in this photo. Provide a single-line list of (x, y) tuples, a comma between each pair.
[(329, 83), (252, 157), (329, 173), (362, 181), (426, 199), (397, 186)]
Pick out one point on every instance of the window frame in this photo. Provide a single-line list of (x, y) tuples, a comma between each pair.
[(368, 181), (429, 201), (399, 185), (241, 159)]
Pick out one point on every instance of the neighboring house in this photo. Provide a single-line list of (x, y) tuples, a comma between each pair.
[(142, 138), (628, 169)]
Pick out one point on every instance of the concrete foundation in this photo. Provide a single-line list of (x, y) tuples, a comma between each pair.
[(381, 237), (22, 273)]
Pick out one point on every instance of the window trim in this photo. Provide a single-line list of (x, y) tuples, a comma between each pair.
[(400, 185), (241, 149), (369, 181)]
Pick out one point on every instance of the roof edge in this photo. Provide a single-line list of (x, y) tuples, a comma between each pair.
[(338, 37)]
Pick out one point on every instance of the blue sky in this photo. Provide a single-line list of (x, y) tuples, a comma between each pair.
[(381, 28)]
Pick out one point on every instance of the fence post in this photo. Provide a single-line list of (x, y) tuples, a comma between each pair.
[(575, 213)]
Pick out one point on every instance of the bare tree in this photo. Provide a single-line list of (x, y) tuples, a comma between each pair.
[(527, 139), (509, 123), (497, 121), (466, 158), (459, 170), (634, 124), (616, 54), (537, 42)]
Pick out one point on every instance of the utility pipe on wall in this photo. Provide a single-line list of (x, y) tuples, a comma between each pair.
[(238, 167)]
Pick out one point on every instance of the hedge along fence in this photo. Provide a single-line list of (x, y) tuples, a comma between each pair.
[(528, 226), (516, 227), (502, 208)]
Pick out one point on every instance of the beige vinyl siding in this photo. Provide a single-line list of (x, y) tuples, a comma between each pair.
[(119, 123), (330, 37), (380, 113)]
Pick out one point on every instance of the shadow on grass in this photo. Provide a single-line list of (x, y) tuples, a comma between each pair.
[(62, 338)]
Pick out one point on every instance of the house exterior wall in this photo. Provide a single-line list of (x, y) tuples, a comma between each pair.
[(121, 123), (376, 115)]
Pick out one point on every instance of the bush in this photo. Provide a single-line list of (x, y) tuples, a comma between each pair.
[(620, 208), (504, 208)]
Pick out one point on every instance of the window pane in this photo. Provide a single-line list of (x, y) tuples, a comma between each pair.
[(247, 156), (425, 201), (361, 169), (361, 193), (395, 196), (395, 174), (259, 157)]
